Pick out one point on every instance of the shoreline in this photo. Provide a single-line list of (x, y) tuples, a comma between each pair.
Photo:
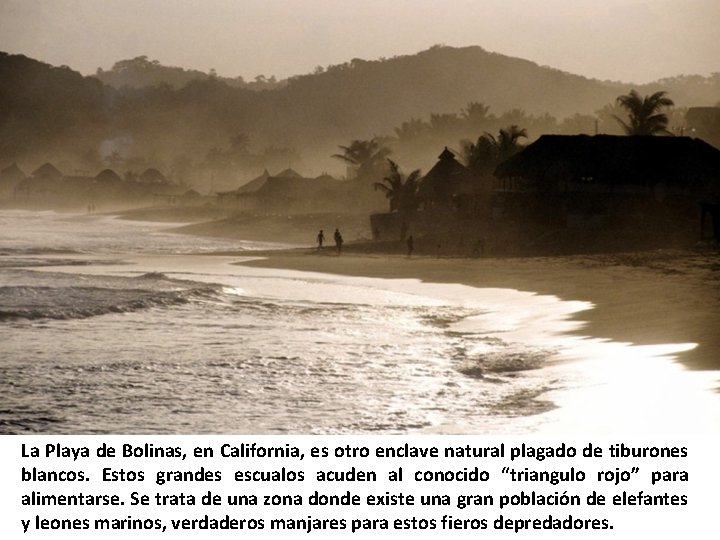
[(643, 298), (639, 297)]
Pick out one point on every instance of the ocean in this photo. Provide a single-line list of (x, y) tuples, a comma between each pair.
[(116, 326)]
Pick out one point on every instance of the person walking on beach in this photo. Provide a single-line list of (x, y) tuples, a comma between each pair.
[(410, 245), (320, 239), (338, 241)]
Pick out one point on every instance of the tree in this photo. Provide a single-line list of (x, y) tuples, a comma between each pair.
[(401, 191), (411, 130), (366, 158), (444, 125), (483, 156), (476, 114), (644, 114), (480, 157), (507, 143)]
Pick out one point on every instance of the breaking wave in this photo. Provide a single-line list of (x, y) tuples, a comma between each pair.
[(59, 301)]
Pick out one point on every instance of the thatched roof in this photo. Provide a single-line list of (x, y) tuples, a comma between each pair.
[(47, 171), (278, 187), (446, 177), (108, 175), (152, 176), (611, 159), (13, 173), (255, 183), (288, 173)]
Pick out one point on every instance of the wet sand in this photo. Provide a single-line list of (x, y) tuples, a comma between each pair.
[(641, 298)]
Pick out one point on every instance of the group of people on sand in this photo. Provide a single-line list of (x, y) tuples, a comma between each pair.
[(337, 237)]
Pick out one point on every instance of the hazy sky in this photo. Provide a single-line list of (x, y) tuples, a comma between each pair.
[(628, 40)]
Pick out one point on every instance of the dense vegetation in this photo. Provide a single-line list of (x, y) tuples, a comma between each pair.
[(217, 133)]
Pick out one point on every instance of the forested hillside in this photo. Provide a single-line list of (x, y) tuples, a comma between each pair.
[(200, 125)]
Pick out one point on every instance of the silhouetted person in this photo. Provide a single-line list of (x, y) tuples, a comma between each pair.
[(320, 239), (410, 245), (338, 241)]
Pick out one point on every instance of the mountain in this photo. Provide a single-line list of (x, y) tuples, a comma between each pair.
[(140, 72), (42, 106), (182, 119)]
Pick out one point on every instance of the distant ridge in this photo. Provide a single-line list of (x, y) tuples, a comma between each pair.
[(54, 113), (140, 72)]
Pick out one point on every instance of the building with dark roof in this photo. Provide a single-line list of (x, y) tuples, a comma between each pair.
[(152, 176), (287, 192), (609, 163), (46, 172), (108, 176), (623, 183), (447, 178)]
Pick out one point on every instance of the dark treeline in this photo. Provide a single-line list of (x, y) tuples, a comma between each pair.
[(141, 72), (216, 133)]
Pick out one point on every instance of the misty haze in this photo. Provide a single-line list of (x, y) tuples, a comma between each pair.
[(452, 240)]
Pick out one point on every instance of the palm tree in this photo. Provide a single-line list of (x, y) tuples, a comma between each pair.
[(644, 113), (444, 124), (507, 141), (481, 156), (411, 130), (489, 151), (401, 191), (366, 158), (476, 114)]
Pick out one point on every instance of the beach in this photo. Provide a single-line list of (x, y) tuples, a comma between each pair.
[(120, 326), (640, 298)]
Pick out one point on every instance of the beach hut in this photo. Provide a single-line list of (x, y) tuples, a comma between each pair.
[(254, 184), (634, 182), (616, 164), (444, 180), (108, 176), (290, 192), (46, 171), (152, 176)]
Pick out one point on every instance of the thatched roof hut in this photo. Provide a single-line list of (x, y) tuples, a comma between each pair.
[(255, 183), (46, 172), (447, 177), (152, 176), (567, 162), (108, 176), (290, 192), (12, 175)]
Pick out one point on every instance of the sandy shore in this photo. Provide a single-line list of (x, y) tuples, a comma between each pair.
[(650, 297), (642, 298), (216, 222)]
